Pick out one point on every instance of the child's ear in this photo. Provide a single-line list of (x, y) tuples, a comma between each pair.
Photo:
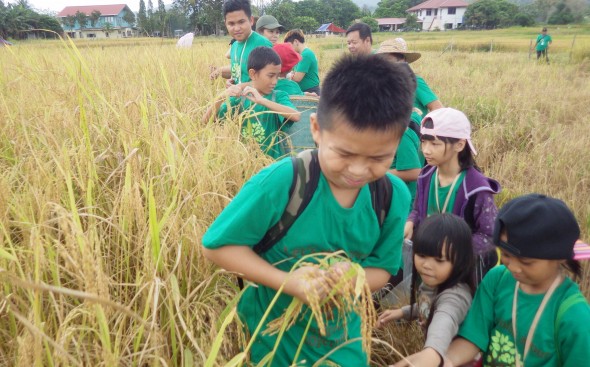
[(314, 127), (252, 73), (460, 145)]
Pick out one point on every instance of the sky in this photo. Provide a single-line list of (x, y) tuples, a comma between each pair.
[(58, 5)]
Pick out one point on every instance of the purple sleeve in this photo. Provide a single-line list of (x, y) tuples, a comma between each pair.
[(484, 215)]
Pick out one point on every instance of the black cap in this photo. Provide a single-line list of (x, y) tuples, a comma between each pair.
[(537, 226)]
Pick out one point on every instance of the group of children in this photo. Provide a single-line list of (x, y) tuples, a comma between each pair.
[(525, 311)]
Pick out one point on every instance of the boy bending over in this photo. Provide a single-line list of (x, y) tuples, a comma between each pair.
[(360, 119)]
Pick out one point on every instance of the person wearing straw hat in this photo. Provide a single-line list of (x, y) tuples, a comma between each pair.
[(269, 27), (397, 51)]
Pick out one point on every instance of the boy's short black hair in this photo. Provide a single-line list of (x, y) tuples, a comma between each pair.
[(262, 56), (294, 34), (363, 29), (369, 92), (237, 5)]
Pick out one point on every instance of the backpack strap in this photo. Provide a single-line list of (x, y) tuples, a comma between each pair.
[(306, 175), (381, 196), (567, 303), (415, 127)]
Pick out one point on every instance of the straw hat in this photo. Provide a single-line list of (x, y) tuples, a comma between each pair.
[(398, 46)]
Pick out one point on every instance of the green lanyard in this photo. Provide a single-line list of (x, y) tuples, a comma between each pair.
[(449, 194)]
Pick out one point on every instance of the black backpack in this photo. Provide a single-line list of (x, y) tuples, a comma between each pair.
[(306, 176)]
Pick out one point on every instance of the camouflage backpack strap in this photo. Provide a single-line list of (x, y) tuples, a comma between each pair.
[(381, 196), (306, 175)]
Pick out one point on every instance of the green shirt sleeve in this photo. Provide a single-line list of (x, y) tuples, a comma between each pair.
[(424, 95), (407, 157), (282, 98)]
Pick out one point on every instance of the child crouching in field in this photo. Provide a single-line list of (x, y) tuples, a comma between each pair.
[(443, 273), (360, 119), (527, 312), (269, 110)]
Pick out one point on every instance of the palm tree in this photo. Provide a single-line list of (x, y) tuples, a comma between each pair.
[(69, 21), (82, 19)]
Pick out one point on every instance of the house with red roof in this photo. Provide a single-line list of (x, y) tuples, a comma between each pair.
[(440, 14), (112, 22), (330, 29)]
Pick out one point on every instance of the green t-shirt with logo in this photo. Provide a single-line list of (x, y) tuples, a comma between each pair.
[(424, 96), (488, 324), (543, 42), (309, 66), (324, 226), (239, 53), (288, 86), (443, 192), (260, 123), (408, 156)]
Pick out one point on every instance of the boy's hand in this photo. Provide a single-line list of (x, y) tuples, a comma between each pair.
[(388, 316), (234, 91), (252, 94), (307, 280), (425, 358), (408, 230), (214, 72)]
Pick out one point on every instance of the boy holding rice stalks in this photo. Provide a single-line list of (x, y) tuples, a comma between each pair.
[(305, 289)]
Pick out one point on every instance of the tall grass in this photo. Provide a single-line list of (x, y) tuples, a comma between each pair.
[(109, 181)]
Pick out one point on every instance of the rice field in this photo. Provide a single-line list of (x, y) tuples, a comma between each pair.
[(109, 180)]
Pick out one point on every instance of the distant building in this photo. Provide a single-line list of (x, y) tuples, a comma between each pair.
[(110, 24), (390, 24), (440, 14), (330, 29)]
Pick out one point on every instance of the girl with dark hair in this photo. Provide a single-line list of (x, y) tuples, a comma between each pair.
[(442, 285), (451, 183)]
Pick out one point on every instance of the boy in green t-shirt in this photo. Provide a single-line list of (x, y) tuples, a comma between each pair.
[(238, 21), (289, 58), (268, 110), (527, 312), (306, 71), (542, 45), (360, 119)]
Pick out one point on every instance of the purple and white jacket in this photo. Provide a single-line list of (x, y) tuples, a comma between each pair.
[(474, 202)]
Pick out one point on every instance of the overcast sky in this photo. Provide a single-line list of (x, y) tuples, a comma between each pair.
[(58, 5)]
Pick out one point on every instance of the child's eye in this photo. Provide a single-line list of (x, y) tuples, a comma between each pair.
[(440, 260)]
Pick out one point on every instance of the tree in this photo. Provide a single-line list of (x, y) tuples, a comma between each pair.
[(82, 19), (69, 21), (161, 17), (142, 16), (490, 14), (392, 9), (306, 24), (94, 17), (412, 22), (371, 22), (107, 28), (285, 12), (562, 15)]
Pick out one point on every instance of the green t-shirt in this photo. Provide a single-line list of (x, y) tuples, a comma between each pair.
[(260, 123), (424, 95), (488, 324), (239, 53), (408, 156), (324, 226), (543, 42), (442, 195), (288, 86), (309, 66)]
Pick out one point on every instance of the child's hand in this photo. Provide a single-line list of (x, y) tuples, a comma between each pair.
[(234, 91), (252, 94), (408, 230), (388, 316), (214, 72), (229, 83), (425, 358), (307, 280)]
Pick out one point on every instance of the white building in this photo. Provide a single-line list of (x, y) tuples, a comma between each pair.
[(440, 14)]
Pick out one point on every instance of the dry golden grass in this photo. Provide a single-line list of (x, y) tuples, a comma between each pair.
[(109, 181)]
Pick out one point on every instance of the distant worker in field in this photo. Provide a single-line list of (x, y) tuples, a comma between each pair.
[(425, 100), (306, 73), (269, 27), (239, 21), (359, 39), (542, 45), (267, 110)]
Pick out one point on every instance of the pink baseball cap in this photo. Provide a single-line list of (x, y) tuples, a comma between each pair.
[(450, 123)]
